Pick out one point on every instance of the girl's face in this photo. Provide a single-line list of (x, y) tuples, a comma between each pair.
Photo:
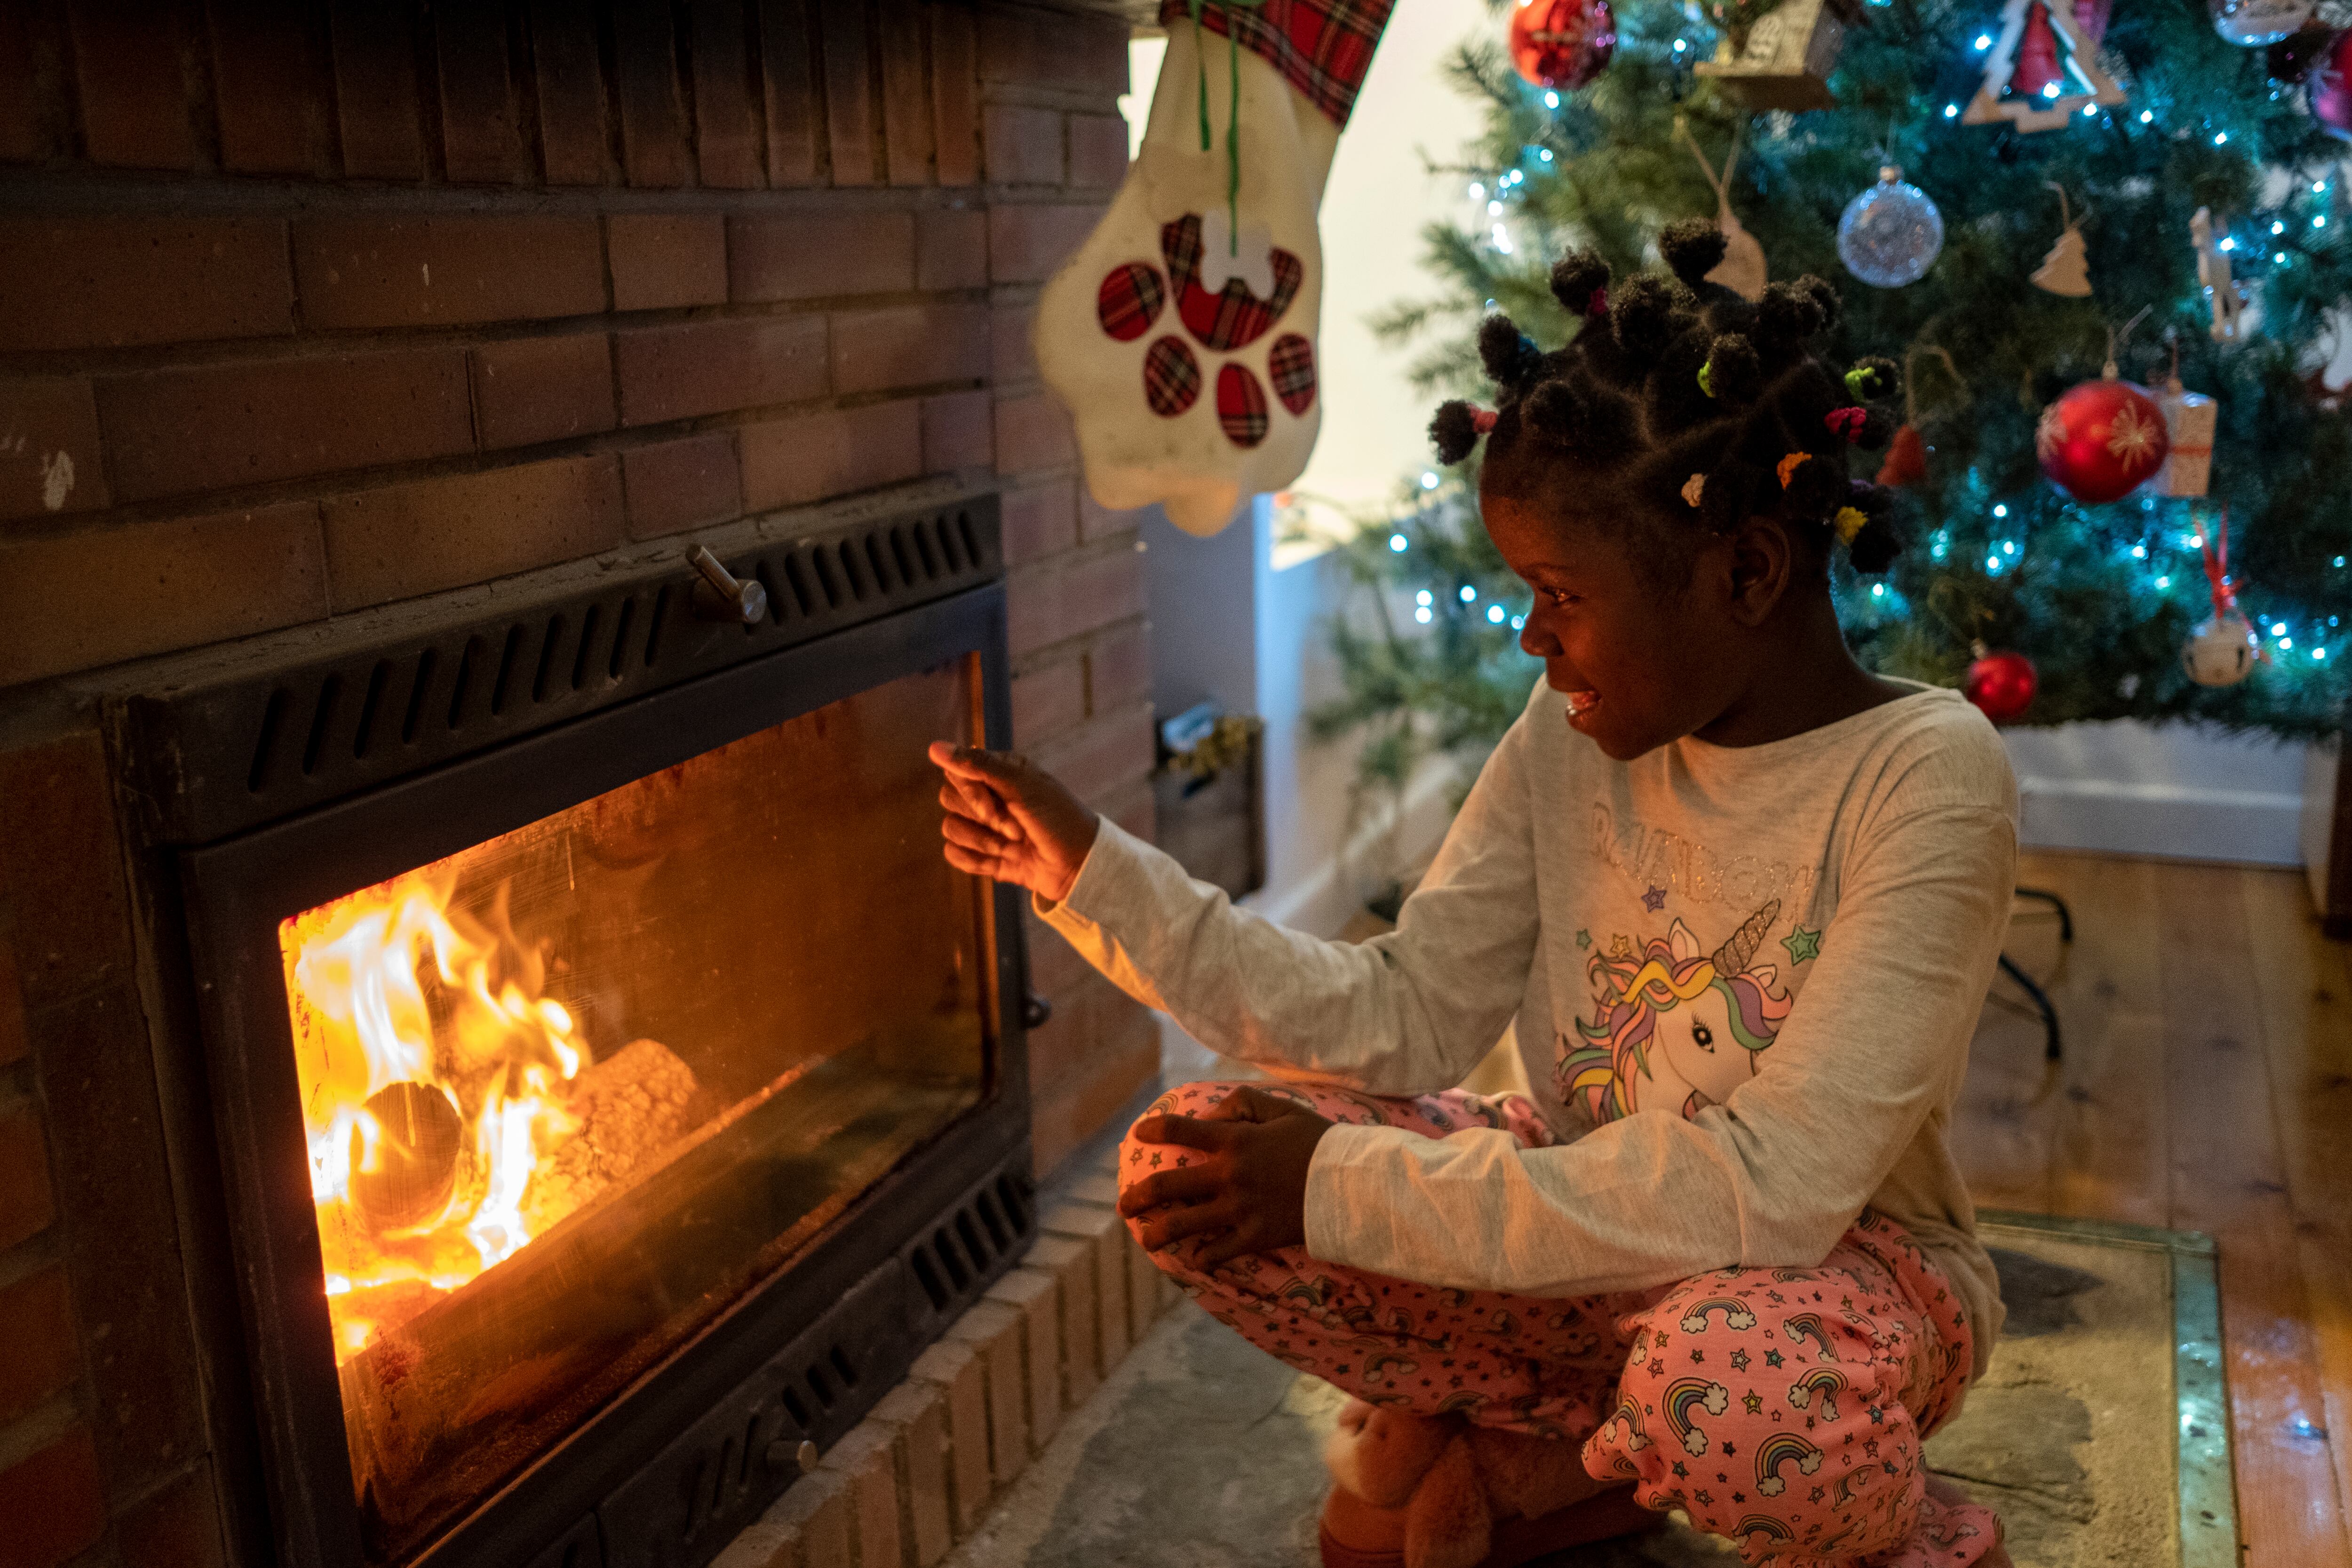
[(1642, 666)]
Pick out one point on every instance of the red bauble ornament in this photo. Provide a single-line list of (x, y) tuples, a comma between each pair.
[(2328, 89), (2102, 439), (1562, 43), (2001, 685)]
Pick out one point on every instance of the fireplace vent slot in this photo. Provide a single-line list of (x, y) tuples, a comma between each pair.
[(245, 748)]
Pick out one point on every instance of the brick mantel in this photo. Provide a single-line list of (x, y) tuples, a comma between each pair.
[(311, 310)]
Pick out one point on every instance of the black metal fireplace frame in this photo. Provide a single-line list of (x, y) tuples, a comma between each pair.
[(674, 1465)]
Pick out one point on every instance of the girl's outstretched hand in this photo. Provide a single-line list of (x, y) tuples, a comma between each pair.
[(1011, 821), (1243, 1191)]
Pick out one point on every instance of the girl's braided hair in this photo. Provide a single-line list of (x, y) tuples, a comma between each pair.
[(1679, 400)]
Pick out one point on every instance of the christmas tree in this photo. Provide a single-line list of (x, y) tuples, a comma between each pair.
[(2100, 597)]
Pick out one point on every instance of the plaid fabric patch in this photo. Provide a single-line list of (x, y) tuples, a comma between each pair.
[(1240, 407), (1232, 318), (1129, 300), (1290, 365), (1172, 377), (1322, 47)]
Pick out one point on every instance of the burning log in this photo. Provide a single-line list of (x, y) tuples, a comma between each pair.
[(630, 1108)]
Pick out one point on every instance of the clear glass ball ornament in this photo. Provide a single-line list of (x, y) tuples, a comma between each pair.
[(1891, 234), (2254, 23)]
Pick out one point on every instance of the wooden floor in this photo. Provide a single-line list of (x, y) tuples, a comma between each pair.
[(2206, 1085)]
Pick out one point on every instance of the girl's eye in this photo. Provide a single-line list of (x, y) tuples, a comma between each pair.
[(1702, 1037), (1560, 597)]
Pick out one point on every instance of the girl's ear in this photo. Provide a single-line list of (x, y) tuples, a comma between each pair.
[(1763, 563)]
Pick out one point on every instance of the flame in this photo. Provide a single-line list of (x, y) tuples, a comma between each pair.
[(392, 987)]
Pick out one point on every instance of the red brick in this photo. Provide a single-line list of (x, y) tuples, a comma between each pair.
[(71, 872), (909, 345), (791, 95), (168, 585), (868, 1460), (917, 1414), (1096, 520), (49, 448), (848, 91), (956, 433), (110, 282), (1065, 598), (1033, 432), (53, 1503), (950, 248), (176, 432), (26, 1209), (375, 89), (26, 69), (812, 256), (1047, 701), (12, 1009), (1114, 749), (960, 1376), (1054, 49), (790, 462), (1065, 1118), (1098, 150), (269, 87), (573, 148), (442, 272), (955, 95), (1023, 146), (1013, 357), (1118, 667), (653, 121), (726, 134), (706, 367), (179, 1525), (405, 540), (998, 1332), (677, 485), (1055, 965), (134, 100), (1134, 808), (906, 95), (39, 1354), (542, 389), (1039, 521), (1059, 1052), (1025, 243), (663, 261), (481, 141)]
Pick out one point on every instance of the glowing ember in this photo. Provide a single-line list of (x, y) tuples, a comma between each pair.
[(436, 1078)]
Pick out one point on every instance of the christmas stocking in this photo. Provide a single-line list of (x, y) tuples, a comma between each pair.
[(1182, 333)]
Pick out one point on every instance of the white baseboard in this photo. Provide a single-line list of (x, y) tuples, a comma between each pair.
[(1322, 902), (2173, 821)]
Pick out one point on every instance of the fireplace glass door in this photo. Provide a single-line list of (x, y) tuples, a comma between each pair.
[(571, 1091)]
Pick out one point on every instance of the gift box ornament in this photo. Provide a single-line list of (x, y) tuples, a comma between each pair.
[(1784, 58), (2188, 421)]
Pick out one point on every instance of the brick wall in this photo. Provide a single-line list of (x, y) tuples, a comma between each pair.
[(311, 306)]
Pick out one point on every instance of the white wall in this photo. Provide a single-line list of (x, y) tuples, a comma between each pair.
[(2178, 792)]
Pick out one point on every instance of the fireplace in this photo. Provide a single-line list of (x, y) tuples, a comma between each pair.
[(616, 1088)]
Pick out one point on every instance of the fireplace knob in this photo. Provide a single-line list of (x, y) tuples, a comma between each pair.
[(1036, 1011), (783, 1451), (720, 595)]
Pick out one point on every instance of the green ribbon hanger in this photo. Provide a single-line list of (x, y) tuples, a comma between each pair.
[(1233, 118)]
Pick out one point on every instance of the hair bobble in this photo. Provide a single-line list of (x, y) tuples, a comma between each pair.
[(1790, 465), (1600, 302), (1694, 489), (1849, 521), (1845, 423), (1481, 420)]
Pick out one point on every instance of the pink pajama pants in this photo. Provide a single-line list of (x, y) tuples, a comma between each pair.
[(1780, 1407)]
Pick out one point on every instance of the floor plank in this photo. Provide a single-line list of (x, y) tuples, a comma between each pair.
[(2206, 1073)]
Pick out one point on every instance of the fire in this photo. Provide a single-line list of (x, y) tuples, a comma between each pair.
[(434, 1075)]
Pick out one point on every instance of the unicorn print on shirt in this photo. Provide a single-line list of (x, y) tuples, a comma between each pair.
[(1673, 1029)]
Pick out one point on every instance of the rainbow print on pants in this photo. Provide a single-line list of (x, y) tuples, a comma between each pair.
[(1827, 1381), (1682, 1395), (1736, 1317), (1774, 1451)]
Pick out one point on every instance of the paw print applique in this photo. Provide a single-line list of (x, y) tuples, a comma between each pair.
[(1225, 302)]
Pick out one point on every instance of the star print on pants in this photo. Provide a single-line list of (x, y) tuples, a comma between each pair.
[(1654, 899)]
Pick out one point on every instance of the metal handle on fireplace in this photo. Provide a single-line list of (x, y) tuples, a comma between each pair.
[(720, 595)]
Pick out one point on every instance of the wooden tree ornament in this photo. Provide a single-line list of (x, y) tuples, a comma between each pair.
[(2066, 270), (2074, 71), (1784, 58), (1741, 270)]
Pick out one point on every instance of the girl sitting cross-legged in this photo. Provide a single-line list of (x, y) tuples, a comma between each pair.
[(1741, 898)]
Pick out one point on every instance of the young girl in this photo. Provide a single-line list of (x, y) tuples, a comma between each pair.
[(1741, 898)]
